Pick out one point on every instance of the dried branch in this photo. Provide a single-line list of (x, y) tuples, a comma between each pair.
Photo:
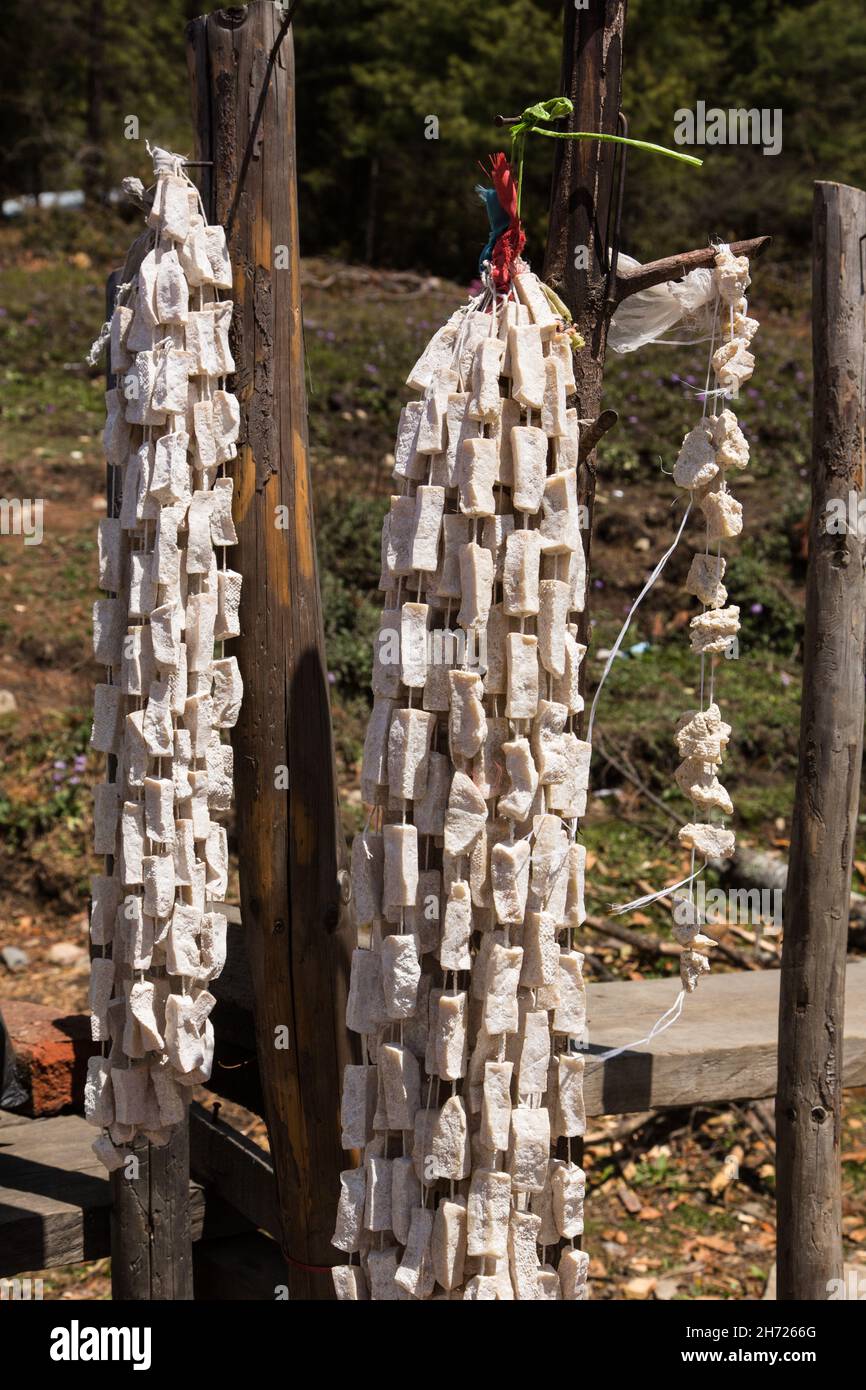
[(620, 1131), (675, 267), (646, 944), (592, 432), (643, 942)]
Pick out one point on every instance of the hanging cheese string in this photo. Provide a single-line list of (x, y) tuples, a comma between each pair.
[(661, 1025), (486, 991), (175, 695), (707, 452), (617, 910)]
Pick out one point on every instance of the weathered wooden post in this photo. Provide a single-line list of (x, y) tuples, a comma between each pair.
[(291, 848), (811, 1006), (580, 203), (151, 1242)]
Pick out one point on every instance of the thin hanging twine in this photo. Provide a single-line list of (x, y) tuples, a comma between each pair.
[(661, 1025), (625, 627), (618, 909), (557, 108)]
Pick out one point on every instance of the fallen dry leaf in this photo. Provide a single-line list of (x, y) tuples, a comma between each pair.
[(666, 1289), (639, 1288), (724, 1247)]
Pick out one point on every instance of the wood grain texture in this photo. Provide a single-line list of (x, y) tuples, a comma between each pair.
[(235, 1169), (724, 1047), (290, 844), (151, 1235), (808, 1104), (55, 1195), (629, 282)]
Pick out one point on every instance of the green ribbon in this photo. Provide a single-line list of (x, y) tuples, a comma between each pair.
[(555, 110)]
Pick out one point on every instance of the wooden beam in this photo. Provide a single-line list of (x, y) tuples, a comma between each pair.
[(704, 1058), (823, 831), (723, 1048), (234, 1168), (291, 848)]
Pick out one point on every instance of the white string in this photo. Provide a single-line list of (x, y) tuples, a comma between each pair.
[(667, 1020), (625, 627), (619, 910)]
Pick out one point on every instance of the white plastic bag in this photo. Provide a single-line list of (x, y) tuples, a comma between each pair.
[(646, 316)]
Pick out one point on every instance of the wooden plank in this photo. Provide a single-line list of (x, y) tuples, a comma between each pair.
[(724, 1047), (290, 843), (235, 1168), (55, 1195), (824, 824)]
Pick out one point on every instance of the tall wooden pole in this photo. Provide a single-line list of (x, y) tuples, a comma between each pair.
[(580, 204), (582, 222), (812, 1000), (290, 846)]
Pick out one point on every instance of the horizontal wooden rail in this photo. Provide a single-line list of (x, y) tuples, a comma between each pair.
[(724, 1047)]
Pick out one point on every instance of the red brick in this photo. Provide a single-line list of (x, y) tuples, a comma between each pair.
[(51, 1053)]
